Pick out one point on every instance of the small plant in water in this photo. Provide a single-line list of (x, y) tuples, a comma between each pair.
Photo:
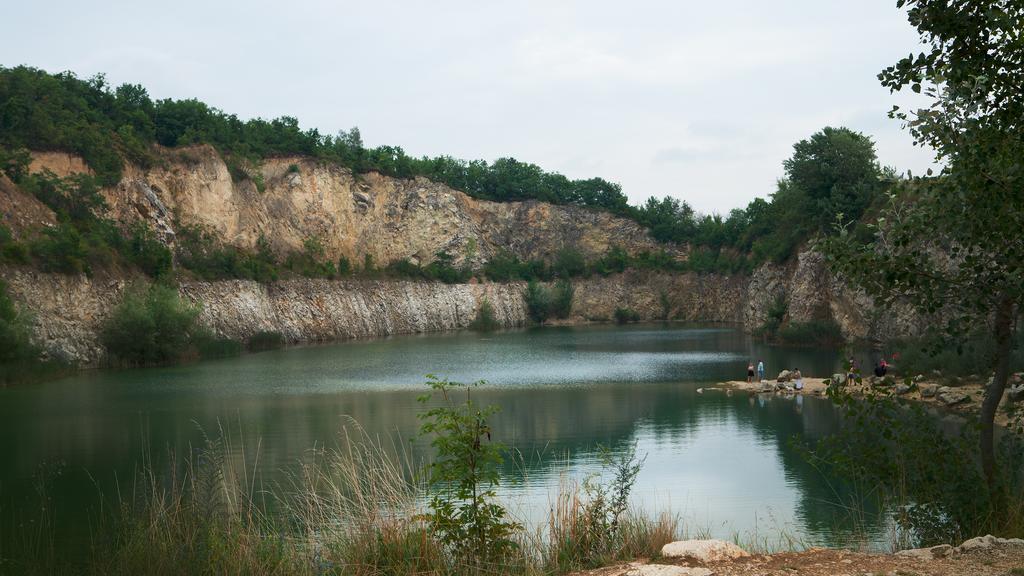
[(464, 513)]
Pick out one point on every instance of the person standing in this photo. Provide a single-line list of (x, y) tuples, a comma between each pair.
[(798, 378), (760, 370), (750, 372)]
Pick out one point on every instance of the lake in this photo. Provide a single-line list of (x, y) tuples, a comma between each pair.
[(723, 462)]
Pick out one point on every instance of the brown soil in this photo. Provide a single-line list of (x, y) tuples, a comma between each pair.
[(1000, 561)]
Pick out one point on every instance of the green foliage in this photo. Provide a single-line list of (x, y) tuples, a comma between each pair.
[(833, 171), (928, 478), (971, 355), (15, 331), (208, 346), (293, 169), (538, 301), (507, 267), (665, 304), (625, 315), (200, 252), (12, 251), (570, 263), (14, 163), (151, 326), (344, 266), (588, 531), (147, 253), (561, 299), (464, 513), (774, 316), (311, 262), (811, 333), (265, 340), (953, 243), (485, 320)]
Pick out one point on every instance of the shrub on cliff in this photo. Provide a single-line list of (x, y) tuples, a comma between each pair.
[(265, 340), (15, 345), (626, 315), (561, 299), (485, 320), (814, 332), (151, 326), (538, 301)]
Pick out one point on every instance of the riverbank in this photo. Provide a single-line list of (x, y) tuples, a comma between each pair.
[(983, 556), (959, 396)]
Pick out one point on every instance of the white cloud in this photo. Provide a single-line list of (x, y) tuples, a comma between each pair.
[(694, 99)]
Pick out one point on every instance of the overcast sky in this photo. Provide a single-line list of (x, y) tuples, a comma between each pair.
[(695, 99)]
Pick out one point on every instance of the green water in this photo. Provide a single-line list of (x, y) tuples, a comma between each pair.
[(722, 461)]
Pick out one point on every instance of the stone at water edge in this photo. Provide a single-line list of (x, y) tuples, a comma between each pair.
[(784, 376), (940, 551), (902, 389), (666, 570), (928, 390), (986, 542), (839, 379), (703, 550)]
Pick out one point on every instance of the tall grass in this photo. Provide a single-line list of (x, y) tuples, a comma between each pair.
[(356, 508)]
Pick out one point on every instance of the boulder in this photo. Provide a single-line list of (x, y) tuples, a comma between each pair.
[(919, 378), (901, 389), (1015, 393), (940, 551), (703, 550), (666, 570), (839, 379), (952, 397), (784, 376), (928, 390)]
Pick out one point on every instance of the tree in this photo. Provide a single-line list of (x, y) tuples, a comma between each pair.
[(953, 243), (837, 172)]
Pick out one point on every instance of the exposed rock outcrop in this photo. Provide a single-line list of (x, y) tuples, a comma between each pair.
[(388, 219)]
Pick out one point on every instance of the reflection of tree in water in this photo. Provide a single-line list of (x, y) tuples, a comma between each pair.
[(554, 421)]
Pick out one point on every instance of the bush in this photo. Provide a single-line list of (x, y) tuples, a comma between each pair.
[(926, 477), (538, 301), (151, 326), (626, 315), (265, 340), (485, 320), (570, 263), (815, 332), (561, 301), (464, 512), (208, 346), (147, 253), (972, 355), (310, 262), (11, 251), (594, 528), (774, 316)]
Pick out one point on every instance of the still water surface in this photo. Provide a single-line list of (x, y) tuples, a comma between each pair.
[(721, 461)]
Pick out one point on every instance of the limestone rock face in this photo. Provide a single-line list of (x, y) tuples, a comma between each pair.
[(703, 550)]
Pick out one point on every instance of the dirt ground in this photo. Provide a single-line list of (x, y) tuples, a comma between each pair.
[(1003, 561)]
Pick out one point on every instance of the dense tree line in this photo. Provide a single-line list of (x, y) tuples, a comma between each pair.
[(834, 171)]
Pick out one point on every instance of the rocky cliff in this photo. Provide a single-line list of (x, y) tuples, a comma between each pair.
[(350, 215), (389, 219)]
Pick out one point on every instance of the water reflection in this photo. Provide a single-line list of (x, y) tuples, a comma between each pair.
[(722, 460)]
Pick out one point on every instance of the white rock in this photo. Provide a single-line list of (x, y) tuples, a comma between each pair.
[(979, 543), (665, 570), (703, 550), (940, 551)]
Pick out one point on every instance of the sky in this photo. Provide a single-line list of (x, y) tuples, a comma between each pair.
[(694, 99)]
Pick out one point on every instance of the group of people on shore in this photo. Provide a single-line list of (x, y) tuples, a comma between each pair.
[(795, 376)]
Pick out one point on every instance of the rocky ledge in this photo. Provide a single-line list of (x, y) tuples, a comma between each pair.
[(981, 556)]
